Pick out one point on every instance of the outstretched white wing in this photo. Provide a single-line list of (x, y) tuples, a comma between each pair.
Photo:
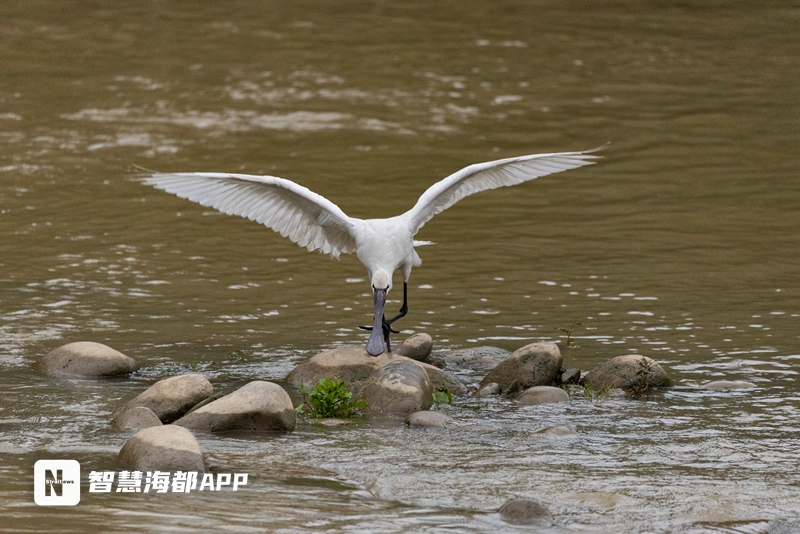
[(490, 175), (308, 219)]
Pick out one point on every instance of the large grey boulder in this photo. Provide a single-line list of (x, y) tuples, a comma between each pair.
[(542, 395), (537, 364), (172, 397), (163, 448), (257, 406), (417, 347), (400, 387), (525, 512), (629, 372), (87, 358), (356, 367), (136, 418)]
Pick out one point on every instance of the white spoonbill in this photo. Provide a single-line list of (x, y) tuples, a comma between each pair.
[(383, 245)]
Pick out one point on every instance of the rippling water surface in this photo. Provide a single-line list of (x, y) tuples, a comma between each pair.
[(681, 244)]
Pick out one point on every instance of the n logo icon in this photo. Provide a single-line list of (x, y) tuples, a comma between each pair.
[(57, 482)]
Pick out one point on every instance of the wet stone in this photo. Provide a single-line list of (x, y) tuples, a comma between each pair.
[(542, 395), (537, 364), (171, 398), (492, 388), (571, 376), (136, 418), (163, 448), (399, 388), (417, 347), (89, 359), (428, 419), (257, 406), (525, 512), (626, 372)]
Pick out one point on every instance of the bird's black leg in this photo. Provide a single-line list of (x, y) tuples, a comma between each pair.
[(403, 309), (387, 324)]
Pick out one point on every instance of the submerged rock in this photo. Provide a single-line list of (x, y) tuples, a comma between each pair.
[(136, 418), (542, 395), (537, 364), (525, 512), (478, 359), (627, 372), (163, 448), (172, 397), (428, 419), (417, 347), (356, 368), (401, 387), (721, 385), (87, 358), (257, 406)]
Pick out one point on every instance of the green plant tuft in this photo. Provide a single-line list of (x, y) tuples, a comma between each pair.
[(442, 395), (330, 398), (568, 331)]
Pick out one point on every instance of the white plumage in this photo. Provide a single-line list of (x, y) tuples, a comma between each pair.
[(382, 245)]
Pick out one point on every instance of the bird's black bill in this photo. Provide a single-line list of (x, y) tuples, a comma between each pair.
[(375, 344)]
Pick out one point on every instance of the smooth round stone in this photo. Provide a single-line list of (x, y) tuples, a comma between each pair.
[(417, 347), (136, 418), (428, 419), (525, 512), (542, 395), (401, 387), (722, 385), (163, 448), (171, 398), (623, 372), (87, 358), (537, 364), (478, 359), (257, 406)]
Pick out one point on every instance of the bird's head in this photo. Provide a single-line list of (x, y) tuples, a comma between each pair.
[(381, 280)]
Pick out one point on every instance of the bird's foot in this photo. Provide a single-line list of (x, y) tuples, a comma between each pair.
[(386, 326)]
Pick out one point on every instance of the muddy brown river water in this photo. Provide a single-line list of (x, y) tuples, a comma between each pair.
[(681, 244)]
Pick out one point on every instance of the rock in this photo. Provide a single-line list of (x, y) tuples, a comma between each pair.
[(163, 448), (525, 512), (624, 372), (172, 397), (721, 385), (492, 388), (537, 364), (571, 376), (401, 387), (87, 358), (257, 406), (356, 367), (542, 395), (428, 419), (478, 359), (136, 418), (417, 347)]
